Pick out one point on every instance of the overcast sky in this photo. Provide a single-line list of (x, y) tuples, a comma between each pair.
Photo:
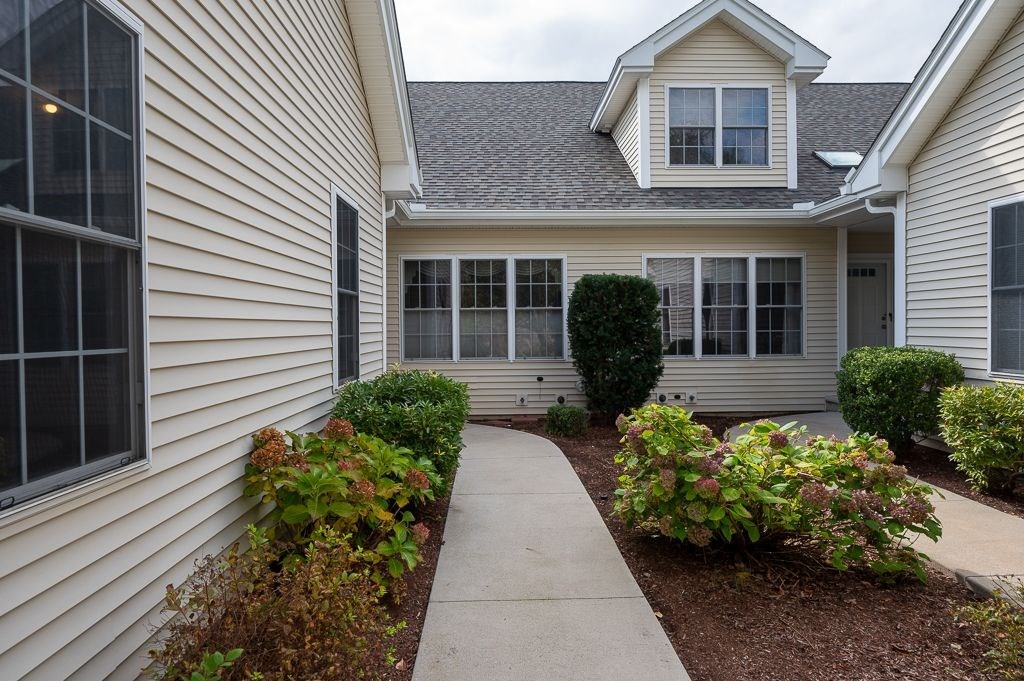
[(869, 40)]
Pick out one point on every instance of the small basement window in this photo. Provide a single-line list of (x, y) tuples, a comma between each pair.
[(840, 159)]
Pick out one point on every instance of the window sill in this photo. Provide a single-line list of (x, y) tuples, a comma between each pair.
[(671, 166), (1006, 376), (55, 499)]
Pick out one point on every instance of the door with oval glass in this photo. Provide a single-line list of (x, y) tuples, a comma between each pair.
[(869, 303)]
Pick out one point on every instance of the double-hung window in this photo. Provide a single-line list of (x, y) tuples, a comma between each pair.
[(71, 373), (346, 245), (506, 308), (714, 294), (1008, 289), (718, 126)]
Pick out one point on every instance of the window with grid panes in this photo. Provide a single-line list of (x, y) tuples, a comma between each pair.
[(483, 309), (347, 342), (70, 308), (539, 331), (427, 309), (724, 307), (691, 126), (780, 306), (1008, 289), (674, 279), (744, 126)]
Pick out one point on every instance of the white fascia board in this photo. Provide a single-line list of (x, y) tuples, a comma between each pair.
[(415, 215), (959, 53), (623, 79)]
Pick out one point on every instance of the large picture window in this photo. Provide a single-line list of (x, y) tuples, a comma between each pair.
[(70, 241), (508, 308), (1008, 289), (715, 292), (718, 126), (346, 246)]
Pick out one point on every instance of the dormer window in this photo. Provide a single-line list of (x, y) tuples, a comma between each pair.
[(718, 126)]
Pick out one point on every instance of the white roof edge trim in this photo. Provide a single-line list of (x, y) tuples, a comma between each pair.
[(397, 59), (412, 214), (875, 171), (804, 61)]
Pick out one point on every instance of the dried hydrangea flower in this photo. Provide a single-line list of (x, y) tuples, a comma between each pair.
[(621, 423), (910, 509), (710, 465), (778, 439), (665, 525), (270, 449), (668, 478), (417, 479), (707, 488), (818, 495), (364, 489), (724, 449), (699, 535), (419, 533), (338, 429), (697, 512)]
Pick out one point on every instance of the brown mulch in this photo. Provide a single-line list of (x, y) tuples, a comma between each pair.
[(412, 609), (934, 467), (731, 621)]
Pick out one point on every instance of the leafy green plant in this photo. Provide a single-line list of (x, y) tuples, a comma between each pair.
[(567, 420), (213, 665), (423, 411), (357, 485), (615, 339), (316, 618), (894, 392), (1002, 622), (984, 425), (843, 498)]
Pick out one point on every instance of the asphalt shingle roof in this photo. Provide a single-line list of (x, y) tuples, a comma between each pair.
[(529, 146)]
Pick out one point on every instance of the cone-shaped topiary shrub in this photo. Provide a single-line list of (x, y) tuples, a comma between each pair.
[(615, 339)]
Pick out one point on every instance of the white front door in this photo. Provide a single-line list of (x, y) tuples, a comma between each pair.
[(870, 321)]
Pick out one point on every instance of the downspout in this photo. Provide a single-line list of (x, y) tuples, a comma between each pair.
[(899, 278)]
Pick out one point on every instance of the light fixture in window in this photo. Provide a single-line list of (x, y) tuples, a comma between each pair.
[(50, 108), (840, 159)]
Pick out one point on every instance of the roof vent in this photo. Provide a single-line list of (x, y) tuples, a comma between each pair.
[(840, 159)]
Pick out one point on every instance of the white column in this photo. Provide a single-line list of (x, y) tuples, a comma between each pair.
[(899, 233), (842, 296)]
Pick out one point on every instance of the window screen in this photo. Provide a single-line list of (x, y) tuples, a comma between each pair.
[(483, 309), (724, 306), (427, 309), (674, 279), (539, 313)]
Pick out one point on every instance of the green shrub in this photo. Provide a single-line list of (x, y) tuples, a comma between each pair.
[(419, 410), (615, 339), (567, 420), (894, 392), (356, 485), (1001, 621), (984, 425), (679, 480), (315, 618)]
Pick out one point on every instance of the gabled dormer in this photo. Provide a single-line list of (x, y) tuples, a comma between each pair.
[(709, 100)]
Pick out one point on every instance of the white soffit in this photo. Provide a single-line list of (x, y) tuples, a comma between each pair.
[(379, 51), (972, 35), (804, 62)]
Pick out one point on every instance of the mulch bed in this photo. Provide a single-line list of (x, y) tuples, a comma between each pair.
[(731, 621), (934, 467), (412, 609)]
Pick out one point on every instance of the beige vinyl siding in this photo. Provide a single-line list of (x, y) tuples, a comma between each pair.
[(972, 158), (626, 134), (716, 54), (252, 111), (722, 385)]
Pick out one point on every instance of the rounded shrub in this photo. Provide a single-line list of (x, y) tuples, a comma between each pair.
[(420, 410), (984, 425), (894, 392), (615, 339), (567, 420), (844, 499)]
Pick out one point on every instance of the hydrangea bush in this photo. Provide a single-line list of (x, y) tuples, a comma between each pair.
[(844, 497), (357, 485)]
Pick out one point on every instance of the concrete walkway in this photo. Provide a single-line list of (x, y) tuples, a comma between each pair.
[(529, 583), (979, 544)]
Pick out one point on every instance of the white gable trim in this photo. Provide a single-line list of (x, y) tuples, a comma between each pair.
[(973, 33), (804, 62)]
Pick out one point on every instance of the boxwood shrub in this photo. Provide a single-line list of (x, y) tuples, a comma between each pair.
[(841, 498), (615, 338), (567, 420), (984, 425), (420, 410), (894, 392)]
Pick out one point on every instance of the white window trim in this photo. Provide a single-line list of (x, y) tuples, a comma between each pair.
[(717, 87), (51, 500), (698, 302), (510, 303), (338, 193), (989, 280)]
